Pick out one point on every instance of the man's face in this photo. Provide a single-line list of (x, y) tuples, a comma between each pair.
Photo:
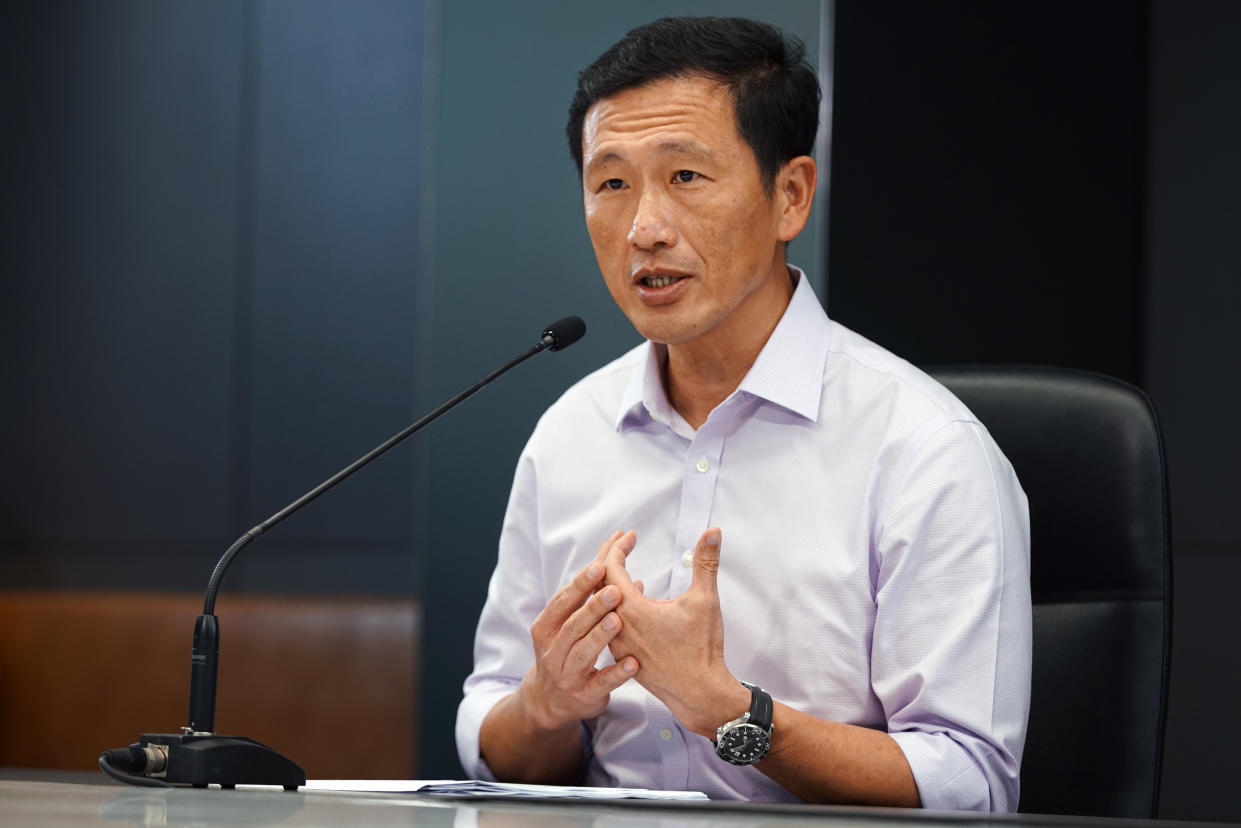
[(688, 241)]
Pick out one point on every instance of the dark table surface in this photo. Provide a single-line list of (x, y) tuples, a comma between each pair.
[(71, 798)]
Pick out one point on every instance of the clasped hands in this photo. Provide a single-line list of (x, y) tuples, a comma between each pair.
[(674, 648)]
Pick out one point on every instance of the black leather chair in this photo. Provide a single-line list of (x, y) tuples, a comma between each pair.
[(1088, 452)]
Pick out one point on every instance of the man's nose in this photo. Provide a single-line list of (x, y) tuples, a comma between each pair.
[(652, 222)]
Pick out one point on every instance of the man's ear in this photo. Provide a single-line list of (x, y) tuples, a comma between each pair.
[(794, 188)]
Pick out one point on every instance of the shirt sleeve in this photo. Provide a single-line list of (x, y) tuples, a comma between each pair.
[(503, 653), (952, 639)]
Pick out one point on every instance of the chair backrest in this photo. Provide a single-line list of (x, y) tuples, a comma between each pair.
[(1088, 452)]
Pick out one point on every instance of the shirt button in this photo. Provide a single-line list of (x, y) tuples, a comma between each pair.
[(665, 733), (702, 465), (687, 557)]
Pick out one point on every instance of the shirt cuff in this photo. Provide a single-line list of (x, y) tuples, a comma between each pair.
[(470, 714), (948, 776)]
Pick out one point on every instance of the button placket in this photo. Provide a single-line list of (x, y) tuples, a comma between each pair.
[(698, 480)]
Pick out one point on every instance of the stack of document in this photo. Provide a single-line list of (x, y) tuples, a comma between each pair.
[(474, 787)]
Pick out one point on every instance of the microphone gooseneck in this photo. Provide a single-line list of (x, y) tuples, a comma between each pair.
[(556, 337), (198, 756)]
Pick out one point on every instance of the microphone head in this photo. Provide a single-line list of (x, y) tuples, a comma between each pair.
[(564, 332)]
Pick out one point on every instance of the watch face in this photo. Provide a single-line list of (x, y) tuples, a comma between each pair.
[(744, 744)]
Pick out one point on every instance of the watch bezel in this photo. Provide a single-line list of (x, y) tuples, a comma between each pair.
[(726, 742)]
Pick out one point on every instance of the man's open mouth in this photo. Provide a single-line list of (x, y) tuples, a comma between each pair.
[(660, 281)]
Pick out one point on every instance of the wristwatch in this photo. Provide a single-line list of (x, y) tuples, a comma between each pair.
[(747, 739)]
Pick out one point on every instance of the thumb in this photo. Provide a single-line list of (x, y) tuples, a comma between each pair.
[(706, 560)]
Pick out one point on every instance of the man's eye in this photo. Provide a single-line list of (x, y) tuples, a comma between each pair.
[(685, 176), (613, 184)]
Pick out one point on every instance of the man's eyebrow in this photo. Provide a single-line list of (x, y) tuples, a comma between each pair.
[(600, 160), (691, 149)]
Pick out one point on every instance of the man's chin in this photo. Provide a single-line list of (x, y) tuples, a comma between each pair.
[(667, 334), (671, 325)]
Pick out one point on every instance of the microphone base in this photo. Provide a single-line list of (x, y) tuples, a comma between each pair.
[(209, 759)]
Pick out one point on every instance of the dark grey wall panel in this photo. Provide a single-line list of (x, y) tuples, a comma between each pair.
[(333, 278), (987, 180), (1194, 249), (211, 249), (1193, 293), (120, 187)]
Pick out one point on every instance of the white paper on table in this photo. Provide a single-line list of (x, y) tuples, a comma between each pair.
[(474, 787)]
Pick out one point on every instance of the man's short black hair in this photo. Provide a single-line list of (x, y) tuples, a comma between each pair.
[(775, 91)]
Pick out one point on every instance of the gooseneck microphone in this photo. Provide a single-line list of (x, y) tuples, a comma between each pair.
[(199, 757)]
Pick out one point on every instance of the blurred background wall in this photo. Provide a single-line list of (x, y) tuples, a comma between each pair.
[(244, 242), (212, 227)]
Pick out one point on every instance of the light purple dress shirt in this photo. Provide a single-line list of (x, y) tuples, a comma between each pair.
[(874, 567)]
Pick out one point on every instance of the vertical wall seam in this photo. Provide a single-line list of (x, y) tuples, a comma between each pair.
[(424, 340), (823, 143), (240, 402)]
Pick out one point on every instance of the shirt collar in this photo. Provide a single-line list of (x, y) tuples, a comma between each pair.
[(788, 371)]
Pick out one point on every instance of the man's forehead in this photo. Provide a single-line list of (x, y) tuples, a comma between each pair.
[(672, 113), (692, 85)]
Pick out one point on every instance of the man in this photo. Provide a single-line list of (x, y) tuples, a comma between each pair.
[(755, 494)]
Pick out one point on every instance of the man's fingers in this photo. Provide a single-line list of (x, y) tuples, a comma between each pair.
[(607, 544), (614, 675), (568, 600), (581, 604), (706, 560), (587, 618), (615, 560), (585, 651)]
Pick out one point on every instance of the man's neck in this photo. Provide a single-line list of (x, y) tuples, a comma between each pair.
[(701, 374)]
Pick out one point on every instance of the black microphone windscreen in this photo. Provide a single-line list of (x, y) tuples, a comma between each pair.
[(565, 332)]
